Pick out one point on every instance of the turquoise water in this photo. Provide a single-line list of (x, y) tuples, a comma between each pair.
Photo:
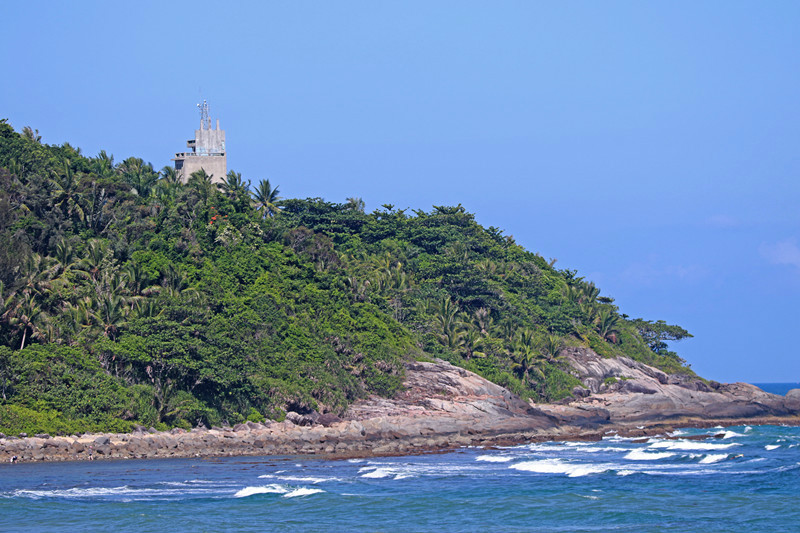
[(747, 481)]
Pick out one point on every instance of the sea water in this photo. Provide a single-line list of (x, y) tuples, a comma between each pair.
[(746, 479)]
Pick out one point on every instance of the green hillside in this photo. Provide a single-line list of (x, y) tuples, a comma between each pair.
[(129, 298)]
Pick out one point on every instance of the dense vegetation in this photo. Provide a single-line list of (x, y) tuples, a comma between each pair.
[(130, 297)]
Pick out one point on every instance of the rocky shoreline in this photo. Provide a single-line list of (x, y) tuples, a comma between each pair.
[(446, 407)]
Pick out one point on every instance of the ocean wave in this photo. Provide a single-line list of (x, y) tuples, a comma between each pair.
[(690, 445), (395, 473), (640, 455), (557, 466), (730, 434), (714, 458), (302, 491), (264, 489), (379, 473), (770, 447), (107, 492), (495, 458), (300, 479)]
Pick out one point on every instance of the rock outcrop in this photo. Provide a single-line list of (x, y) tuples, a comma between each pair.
[(441, 407), (629, 391)]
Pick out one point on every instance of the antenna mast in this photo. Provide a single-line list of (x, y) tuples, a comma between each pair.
[(205, 120)]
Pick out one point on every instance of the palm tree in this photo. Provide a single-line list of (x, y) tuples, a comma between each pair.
[(356, 204), (447, 320), (103, 164), (92, 264), (482, 320), (201, 182), (24, 315), (552, 346), (358, 288), (528, 363), (169, 182), (606, 323), (65, 192), (139, 175), (233, 185), (266, 198), (31, 135), (176, 284), (471, 343), (110, 313)]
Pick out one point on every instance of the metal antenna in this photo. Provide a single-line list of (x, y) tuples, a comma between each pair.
[(204, 118)]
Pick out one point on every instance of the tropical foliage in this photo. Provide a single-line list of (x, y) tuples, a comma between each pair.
[(127, 296)]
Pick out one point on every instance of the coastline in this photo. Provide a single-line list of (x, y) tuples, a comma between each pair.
[(345, 440), (442, 408)]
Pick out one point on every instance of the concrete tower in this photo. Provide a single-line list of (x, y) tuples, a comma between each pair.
[(208, 150)]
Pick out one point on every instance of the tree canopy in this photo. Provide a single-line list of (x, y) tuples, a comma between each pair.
[(178, 303)]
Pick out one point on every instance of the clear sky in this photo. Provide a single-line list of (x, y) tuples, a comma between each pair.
[(653, 147)]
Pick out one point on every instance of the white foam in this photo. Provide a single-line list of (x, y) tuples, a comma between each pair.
[(626, 472), (403, 475), (495, 458), (714, 458), (103, 492), (267, 489), (300, 479), (690, 445), (747, 429), (380, 473), (770, 447), (556, 466), (731, 434), (302, 491), (639, 455)]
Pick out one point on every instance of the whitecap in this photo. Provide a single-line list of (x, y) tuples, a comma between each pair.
[(267, 489), (639, 455), (403, 475), (380, 473), (626, 472), (556, 466), (770, 447), (300, 479), (495, 458), (302, 491), (713, 458), (731, 434), (691, 445), (355, 460), (106, 492), (747, 429)]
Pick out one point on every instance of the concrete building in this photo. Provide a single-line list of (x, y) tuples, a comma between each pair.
[(208, 150)]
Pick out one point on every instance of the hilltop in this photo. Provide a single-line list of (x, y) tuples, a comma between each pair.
[(131, 298)]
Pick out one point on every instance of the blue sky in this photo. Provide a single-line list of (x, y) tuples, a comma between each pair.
[(654, 147)]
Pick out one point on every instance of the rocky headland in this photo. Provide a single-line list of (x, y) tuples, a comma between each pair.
[(445, 407)]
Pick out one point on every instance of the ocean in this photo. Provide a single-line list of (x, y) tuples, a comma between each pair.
[(747, 478)]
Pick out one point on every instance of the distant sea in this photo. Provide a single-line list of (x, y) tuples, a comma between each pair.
[(777, 388), (746, 480)]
